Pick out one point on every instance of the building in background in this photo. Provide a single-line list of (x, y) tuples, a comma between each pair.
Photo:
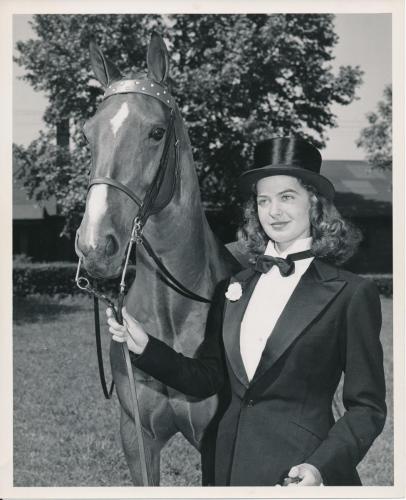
[(364, 196), (37, 227)]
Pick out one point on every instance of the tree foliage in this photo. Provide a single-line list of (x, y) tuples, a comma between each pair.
[(376, 138), (237, 79)]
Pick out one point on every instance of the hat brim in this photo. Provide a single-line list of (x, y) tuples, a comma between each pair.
[(248, 180)]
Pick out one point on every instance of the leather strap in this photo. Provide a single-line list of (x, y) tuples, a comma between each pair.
[(137, 419), (117, 185), (153, 190), (141, 86), (146, 480), (107, 392), (171, 280)]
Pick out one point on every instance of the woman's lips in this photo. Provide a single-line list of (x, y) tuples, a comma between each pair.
[(279, 225)]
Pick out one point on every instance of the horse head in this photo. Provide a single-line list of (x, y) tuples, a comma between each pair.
[(133, 143)]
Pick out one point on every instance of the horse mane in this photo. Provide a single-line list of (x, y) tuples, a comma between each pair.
[(135, 74)]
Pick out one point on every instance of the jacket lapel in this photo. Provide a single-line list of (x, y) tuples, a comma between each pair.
[(315, 290), (233, 315)]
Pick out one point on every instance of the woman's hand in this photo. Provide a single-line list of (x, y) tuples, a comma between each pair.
[(131, 331), (304, 475)]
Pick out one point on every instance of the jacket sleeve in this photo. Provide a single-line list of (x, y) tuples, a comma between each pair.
[(201, 376), (363, 392)]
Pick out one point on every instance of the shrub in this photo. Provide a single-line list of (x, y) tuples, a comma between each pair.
[(21, 258), (59, 277), (384, 282), (56, 278)]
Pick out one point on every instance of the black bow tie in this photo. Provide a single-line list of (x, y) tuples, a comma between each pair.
[(286, 266)]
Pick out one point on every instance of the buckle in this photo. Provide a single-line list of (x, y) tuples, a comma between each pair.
[(136, 232)]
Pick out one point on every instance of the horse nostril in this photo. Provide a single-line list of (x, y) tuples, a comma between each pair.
[(111, 245), (81, 249)]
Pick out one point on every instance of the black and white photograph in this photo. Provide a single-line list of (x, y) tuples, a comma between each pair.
[(203, 256)]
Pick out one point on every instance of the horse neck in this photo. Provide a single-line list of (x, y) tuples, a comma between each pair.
[(183, 240)]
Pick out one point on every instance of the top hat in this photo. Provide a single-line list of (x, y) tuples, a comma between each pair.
[(287, 156)]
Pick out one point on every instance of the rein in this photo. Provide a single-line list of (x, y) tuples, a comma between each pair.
[(145, 209)]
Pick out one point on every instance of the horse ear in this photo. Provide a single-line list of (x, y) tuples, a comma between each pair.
[(104, 70), (157, 59)]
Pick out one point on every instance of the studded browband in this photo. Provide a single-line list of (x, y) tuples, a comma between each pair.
[(142, 86)]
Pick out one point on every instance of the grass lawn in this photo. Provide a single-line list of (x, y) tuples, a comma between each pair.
[(67, 434)]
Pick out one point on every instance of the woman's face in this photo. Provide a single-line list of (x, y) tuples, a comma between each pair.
[(283, 209)]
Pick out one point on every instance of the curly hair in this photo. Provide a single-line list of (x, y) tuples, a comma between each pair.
[(334, 239)]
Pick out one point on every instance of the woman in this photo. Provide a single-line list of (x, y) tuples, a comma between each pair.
[(280, 334)]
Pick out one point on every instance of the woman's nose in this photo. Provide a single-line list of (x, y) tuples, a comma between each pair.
[(275, 210)]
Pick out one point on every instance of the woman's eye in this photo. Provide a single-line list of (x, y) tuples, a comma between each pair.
[(157, 133), (287, 197), (261, 203)]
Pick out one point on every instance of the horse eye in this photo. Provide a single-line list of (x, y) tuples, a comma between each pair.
[(157, 133)]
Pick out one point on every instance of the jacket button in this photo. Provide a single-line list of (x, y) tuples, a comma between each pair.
[(250, 403)]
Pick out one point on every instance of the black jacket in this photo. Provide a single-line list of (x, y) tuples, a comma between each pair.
[(283, 417)]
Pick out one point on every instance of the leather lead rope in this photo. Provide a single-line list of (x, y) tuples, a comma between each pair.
[(146, 481), (137, 419), (107, 392)]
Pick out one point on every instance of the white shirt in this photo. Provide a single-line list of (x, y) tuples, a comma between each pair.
[(267, 302)]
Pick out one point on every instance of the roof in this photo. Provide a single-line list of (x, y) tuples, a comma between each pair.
[(26, 209), (360, 189)]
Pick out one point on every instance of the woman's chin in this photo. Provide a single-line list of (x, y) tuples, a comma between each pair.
[(278, 238)]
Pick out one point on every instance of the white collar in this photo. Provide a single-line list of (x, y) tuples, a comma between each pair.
[(297, 246)]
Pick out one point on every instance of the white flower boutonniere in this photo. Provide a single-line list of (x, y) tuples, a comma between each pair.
[(234, 292)]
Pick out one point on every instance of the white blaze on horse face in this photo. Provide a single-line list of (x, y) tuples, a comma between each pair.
[(119, 118), (96, 211)]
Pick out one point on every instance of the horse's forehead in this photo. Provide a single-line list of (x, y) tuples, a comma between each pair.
[(118, 109), (119, 118)]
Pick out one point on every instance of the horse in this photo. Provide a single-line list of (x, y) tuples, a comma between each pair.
[(128, 137)]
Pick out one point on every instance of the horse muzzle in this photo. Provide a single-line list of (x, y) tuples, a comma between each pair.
[(102, 257)]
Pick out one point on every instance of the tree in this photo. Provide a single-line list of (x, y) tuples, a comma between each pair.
[(376, 138), (237, 79)]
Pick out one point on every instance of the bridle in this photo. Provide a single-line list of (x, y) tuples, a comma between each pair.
[(150, 205)]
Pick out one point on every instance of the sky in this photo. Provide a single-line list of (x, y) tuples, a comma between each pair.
[(364, 40)]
